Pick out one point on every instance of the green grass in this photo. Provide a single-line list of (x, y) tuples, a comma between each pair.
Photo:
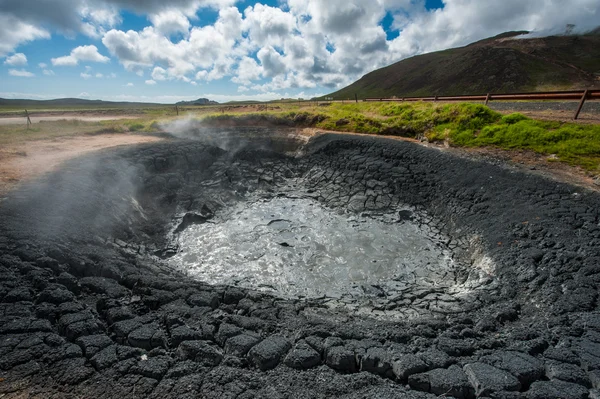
[(571, 143), (461, 125)]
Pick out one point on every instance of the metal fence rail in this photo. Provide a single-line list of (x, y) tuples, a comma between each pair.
[(581, 95)]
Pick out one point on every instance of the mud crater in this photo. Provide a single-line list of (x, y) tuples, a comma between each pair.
[(345, 266)]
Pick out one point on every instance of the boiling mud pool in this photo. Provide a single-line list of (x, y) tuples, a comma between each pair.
[(297, 247)]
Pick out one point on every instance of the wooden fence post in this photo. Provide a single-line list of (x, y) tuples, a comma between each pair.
[(177, 110), (585, 94), (356, 97), (487, 99), (28, 119)]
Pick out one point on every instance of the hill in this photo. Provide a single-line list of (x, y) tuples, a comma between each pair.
[(83, 103), (200, 101), (502, 64), (69, 103)]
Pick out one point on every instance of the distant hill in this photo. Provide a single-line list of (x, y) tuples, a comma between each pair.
[(200, 101), (502, 64), (82, 103), (69, 102)]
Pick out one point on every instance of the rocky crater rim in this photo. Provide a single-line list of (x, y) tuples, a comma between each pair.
[(90, 304)]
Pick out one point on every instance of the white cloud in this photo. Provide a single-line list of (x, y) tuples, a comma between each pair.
[(159, 74), (268, 25), (82, 53), (21, 73), (301, 44), (42, 65), (14, 32), (83, 95), (170, 21), (212, 48), (99, 75), (85, 75), (248, 70), (150, 82), (129, 84), (18, 59), (48, 72)]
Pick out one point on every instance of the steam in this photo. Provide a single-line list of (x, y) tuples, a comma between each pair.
[(87, 198), (190, 128), (237, 138)]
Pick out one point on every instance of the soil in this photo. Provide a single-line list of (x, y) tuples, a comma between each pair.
[(32, 159), (90, 307), (69, 116)]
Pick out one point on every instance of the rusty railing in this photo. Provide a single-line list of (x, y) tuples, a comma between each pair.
[(581, 95)]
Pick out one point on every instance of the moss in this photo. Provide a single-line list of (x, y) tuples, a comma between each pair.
[(513, 118)]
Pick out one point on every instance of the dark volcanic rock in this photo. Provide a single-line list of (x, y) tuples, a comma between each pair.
[(267, 354), (487, 379), (407, 365), (556, 390), (302, 357), (240, 344), (200, 351), (377, 361), (567, 372), (525, 367), (450, 381), (341, 358)]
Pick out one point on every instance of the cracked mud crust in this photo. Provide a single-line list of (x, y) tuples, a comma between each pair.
[(91, 307)]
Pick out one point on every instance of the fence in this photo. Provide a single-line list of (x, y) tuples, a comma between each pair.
[(581, 95)]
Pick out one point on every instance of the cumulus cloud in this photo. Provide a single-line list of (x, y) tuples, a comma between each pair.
[(48, 72), (150, 82), (85, 75), (211, 47), (81, 53), (90, 17), (21, 73), (248, 70), (170, 21), (129, 84), (14, 32), (301, 44), (18, 59), (159, 74)]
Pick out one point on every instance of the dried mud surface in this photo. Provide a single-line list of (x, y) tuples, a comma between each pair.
[(91, 307)]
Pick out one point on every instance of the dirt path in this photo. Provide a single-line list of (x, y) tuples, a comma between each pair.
[(28, 160), (19, 120)]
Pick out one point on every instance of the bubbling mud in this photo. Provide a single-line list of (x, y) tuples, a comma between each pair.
[(297, 247)]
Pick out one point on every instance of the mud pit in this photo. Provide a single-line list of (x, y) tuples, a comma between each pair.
[(138, 272), (296, 247)]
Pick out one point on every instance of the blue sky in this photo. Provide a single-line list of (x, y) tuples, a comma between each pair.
[(166, 51)]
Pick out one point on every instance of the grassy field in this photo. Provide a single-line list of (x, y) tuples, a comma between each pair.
[(460, 125)]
